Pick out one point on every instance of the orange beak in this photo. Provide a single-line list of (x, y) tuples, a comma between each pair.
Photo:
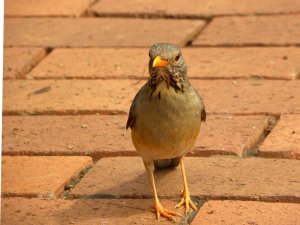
[(158, 62)]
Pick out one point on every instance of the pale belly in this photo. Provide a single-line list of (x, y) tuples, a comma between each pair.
[(168, 128)]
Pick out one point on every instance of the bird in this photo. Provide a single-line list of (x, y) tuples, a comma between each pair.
[(165, 118)]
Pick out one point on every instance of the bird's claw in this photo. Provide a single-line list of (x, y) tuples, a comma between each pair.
[(186, 201), (161, 211)]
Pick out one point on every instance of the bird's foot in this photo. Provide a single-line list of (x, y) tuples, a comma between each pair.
[(161, 211), (186, 201)]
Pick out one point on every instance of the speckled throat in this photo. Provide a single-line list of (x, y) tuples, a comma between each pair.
[(173, 80)]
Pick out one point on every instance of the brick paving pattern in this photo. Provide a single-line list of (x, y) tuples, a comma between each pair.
[(97, 32), (19, 61), (253, 30), (232, 63), (91, 96), (220, 178), (71, 70), (191, 8), (39, 176)]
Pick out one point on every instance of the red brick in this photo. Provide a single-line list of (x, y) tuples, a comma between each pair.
[(43, 177), (247, 212), (228, 135), (192, 8), (69, 96), (92, 212), (93, 135), (202, 63), (209, 178), (284, 140), (252, 30), (250, 96), (19, 61), (45, 8), (100, 136), (94, 63), (91, 32), (115, 96)]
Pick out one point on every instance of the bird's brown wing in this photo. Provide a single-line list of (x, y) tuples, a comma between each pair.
[(132, 112), (203, 112), (131, 116)]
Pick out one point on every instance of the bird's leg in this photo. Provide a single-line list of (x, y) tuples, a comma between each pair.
[(160, 211), (185, 194)]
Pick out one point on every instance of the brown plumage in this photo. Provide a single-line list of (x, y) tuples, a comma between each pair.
[(165, 118)]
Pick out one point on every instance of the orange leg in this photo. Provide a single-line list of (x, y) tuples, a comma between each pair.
[(185, 194), (160, 211)]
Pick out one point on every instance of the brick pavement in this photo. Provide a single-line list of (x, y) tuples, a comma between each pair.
[(71, 70)]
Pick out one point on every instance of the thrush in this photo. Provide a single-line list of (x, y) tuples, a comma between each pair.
[(165, 118)]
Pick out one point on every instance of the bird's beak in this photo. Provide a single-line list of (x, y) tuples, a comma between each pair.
[(158, 62)]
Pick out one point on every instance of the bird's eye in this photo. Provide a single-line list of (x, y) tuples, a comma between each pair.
[(177, 57)]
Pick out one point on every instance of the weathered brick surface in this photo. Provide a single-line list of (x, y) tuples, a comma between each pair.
[(93, 212), (284, 140), (18, 61), (45, 8), (247, 212), (84, 32), (252, 30), (212, 178), (39, 176), (77, 118), (115, 96), (229, 135), (69, 96), (191, 8), (93, 135), (94, 63), (99, 136), (202, 63)]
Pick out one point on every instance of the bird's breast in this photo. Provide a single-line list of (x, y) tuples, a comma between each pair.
[(168, 125)]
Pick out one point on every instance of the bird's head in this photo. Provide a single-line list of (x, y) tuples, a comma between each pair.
[(166, 64)]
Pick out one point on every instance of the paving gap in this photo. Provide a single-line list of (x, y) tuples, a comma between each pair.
[(73, 182), (258, 14), (95, 156), (28, 67), (163, 15), (209, 153), (103, 154), (251, 77), (132, 77), (246, 45), (272, 199), (86, 12), (13, 195), (62, 112), (72, 112), (193, 214), (282, 199), (253, 143), (197, 33), (195, 46), (242, 45), (40, 16), (148, 16)]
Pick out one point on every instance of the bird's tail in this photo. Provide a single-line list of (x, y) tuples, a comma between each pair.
[(166, 163)]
